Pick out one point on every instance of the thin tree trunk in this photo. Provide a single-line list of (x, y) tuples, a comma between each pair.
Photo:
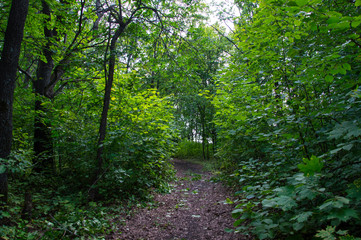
[(201, 110), (104, 117), (8, 68)]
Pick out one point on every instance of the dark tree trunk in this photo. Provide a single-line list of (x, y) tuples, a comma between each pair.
[(26, 213), (202, 113), (43, 146), (43, 142), (99, 15), (8, 68), (47, 77), (104, 117)]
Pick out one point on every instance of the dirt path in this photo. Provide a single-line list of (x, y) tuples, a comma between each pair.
[(194, 210)]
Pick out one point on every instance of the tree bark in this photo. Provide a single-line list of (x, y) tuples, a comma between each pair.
[(202, 113), (8, 68), (104, 117), (43, 147)]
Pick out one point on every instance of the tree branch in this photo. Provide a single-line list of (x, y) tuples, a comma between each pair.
[(234, 44)]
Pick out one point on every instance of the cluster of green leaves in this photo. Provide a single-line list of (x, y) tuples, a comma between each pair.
[(189, 150), (141, 140), (297, 209), (138, 146), (290, 102), (61, 217)]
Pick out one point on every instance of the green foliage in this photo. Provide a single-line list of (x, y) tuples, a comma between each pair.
[(300, 207), (139, 144), (311, 166), (61, 217), (291, 94), (189, 150), (330, 233)]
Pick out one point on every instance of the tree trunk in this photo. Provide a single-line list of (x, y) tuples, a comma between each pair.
[(104, 117), (8, 68), (26, 213), (43, 142), (43, 146), (202, 113)]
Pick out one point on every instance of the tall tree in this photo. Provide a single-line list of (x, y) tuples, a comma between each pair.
[(50, 72), (8, 68), (144, 17), (122, 19)]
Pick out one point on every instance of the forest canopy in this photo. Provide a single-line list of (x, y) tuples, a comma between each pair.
[(104, 93)]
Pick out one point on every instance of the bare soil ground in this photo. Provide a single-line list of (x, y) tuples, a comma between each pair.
[(195, 209)]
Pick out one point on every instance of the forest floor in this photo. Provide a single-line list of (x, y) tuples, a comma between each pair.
[(194, 210)]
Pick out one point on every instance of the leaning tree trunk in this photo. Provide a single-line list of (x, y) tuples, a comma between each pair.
[(104, 117), (8, 67)]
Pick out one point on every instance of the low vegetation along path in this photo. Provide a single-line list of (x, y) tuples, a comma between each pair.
[(195, 209)]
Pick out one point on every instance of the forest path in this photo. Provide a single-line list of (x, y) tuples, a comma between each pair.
[(194, 210)]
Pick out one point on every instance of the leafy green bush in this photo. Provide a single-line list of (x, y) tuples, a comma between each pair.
[(330, 233), (189, 150), (290, 102), (62, 218), (298, 208), (139, 145)]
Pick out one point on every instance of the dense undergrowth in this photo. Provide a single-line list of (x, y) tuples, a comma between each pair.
[(288, 110), (189, 150), (137, 152)]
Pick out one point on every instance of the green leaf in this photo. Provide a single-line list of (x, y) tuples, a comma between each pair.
[(297, 22), (311, 166), (238, 222), (237, 210), (348, 128), (343, 214), (342, 199), (297, 226), (302, 217), (268, 221), (358, 3), (5, 214), (306, 193), (346, 66), (284, 202), (333, 20), (268, 203), (354, 24), (347, 147), (327, 234), (342, 232), (329, 78), (301, 3), (344, 25), (337, 202)]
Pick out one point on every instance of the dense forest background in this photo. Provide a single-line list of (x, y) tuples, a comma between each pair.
[(101, 94)]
